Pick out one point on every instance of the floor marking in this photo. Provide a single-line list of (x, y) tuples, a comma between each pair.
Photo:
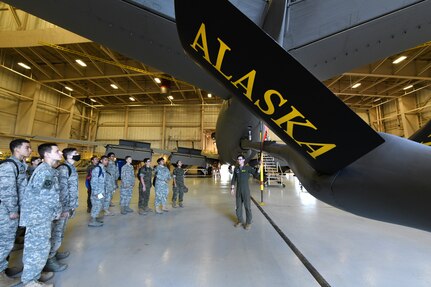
[(295, 250)]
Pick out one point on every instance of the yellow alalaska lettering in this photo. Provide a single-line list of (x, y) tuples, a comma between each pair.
[(288, 120), (323, 148), (220, 56), (268, 102), (203, 45), (249, 82)]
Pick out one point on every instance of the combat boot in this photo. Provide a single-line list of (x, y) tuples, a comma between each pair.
[(128, 209), (174, 204), (142, 212), (147, 209), (7, 281), (158, 210), (13, 271), (164, 208), (52, 265), (45, 276), (123, 210), (94, 223), (37, 284), (181, 204), (108, 213), (62, 255)]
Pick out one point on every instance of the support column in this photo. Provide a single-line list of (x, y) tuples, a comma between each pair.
[(27, 108), (163, 128), (126, 123), (410, 120), (203, 138), (64, 121)]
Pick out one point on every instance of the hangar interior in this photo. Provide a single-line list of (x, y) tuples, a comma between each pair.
[(114, 97)]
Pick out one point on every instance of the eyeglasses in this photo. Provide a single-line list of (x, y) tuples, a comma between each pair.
[(241, 158)]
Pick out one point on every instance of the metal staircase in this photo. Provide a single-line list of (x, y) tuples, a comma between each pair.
[(272, 170)]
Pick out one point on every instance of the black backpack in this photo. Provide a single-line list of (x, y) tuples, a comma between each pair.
[(68, 168), (12, 161)]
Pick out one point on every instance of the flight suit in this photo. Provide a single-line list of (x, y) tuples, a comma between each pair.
[(11, 191), (144, 196), (178, 190), (242, 195), (40, 206)]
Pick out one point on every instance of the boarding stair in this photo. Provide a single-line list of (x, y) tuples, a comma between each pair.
[(272, 170)]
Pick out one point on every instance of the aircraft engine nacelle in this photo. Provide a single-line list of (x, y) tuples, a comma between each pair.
[(235, 123)]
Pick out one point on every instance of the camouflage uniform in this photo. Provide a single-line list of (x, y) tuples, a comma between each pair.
[(69, 202), (144, 196), (112, 168), (11, 191), (178, 190), (40, 206), (127, 184), (162, 175), (98, 186), (109, 190)]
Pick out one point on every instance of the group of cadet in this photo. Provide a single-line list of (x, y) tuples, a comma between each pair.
[(102, 176), (37, 199)]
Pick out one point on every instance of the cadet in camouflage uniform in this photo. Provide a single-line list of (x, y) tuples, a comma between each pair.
[(178, 185), (113, 170), (162, 174), (144, 174), (127, 184), (34, 162), (12, 185), (40, 206), (109, 191), (98, 189), (68, 180), (241, 175)]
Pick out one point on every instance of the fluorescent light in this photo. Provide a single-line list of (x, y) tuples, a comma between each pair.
[(68, 88), (408, 87), (209, 95), (24, 66), (399, 59), (157, 80), (170, 97), (356, 85), (376, 100), (115, 87), (132, 99), (81, 63), (93, 100)]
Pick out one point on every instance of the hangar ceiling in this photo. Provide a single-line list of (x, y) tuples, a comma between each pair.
[(55, 66)]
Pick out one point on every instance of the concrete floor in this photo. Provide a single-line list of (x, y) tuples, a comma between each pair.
[(198, 246)]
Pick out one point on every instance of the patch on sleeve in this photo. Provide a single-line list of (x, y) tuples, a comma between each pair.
[(47, 184)]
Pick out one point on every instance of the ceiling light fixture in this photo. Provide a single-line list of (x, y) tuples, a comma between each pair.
[(157, 80), (209, 95), (399, 59), (81, 63), (170, 97), (24, 66), (132, 99), (356, 85), (93, 100), (376, 100), (68, 88), (408, 87), (115, 87)]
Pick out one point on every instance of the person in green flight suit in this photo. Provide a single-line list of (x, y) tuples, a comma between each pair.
[(241, 175)]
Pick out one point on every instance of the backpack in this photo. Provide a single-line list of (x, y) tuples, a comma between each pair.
[(139, 171), (68, 168), (154, 179), (88, 177), (12, 161)]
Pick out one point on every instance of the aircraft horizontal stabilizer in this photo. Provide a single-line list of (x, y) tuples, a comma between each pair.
[(273, 85), (423, 135)]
